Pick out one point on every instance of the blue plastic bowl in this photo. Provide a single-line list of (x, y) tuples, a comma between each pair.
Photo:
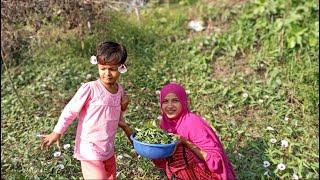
[(152, 151)]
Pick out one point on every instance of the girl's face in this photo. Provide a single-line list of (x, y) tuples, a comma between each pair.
[(109, 73), (171, 106)]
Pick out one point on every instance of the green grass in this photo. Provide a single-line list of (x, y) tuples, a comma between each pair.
[(264, 51)]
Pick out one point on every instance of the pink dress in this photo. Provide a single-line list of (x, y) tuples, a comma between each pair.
[(98, 113), (199, 132)]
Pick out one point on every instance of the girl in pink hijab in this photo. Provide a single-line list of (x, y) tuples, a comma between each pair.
[(200, 154)]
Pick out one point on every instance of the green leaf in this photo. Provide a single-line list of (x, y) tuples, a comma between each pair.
[(292, 42), (313, 41)]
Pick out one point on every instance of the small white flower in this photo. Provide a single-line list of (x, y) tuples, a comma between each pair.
[(66, 146), (119, 157), (245, 95), (122, 69), (284, 143), (39, 135), (89, 25), (266, 96), (270, 128), (286, 118), (127, 155), (188, 91), (273, 140), (266, 173), (295, 176), (60, 166), (57, 154), (230, 105), (260, 101), (93, 60), (266, 164), (88, 76), (240, 155), (157, 92), (174, 80), (159, 118), (132, 151), (196, 25), (281, 167)]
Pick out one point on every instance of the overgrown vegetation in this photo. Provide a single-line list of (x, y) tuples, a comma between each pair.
[(253, 74)]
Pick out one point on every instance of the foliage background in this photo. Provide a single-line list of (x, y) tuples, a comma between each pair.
[(254, 66)]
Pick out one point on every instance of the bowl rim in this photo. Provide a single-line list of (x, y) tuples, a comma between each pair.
[(154, 145)]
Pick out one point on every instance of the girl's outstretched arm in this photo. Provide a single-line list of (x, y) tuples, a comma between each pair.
[(71, 110), (47, 140), (68, 114)]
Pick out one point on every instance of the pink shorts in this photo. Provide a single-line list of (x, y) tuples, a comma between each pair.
[(95, 169)]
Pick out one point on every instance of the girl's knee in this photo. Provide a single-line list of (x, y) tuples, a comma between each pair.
[(94, 170)]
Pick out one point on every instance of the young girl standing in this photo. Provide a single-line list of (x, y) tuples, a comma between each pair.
[(200, 154), (98, 106)]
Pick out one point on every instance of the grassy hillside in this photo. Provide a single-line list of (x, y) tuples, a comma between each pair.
[(253, 73)]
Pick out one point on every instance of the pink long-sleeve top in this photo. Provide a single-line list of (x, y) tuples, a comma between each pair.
[(98, 113)]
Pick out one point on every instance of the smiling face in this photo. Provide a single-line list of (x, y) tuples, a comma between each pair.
[(171, 106), (109, 73)]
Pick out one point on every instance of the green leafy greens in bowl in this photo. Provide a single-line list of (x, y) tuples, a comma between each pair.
[(154, 135)]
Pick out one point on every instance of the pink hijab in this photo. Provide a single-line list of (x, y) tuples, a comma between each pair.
[(196, 130), (179, 91)]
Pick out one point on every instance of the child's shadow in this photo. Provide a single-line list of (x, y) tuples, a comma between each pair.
[(248, 158)]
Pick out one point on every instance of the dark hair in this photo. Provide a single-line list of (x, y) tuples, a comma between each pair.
[(108, 52)]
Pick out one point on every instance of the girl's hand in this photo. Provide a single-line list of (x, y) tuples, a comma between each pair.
[(124, 102), (47, 140)]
